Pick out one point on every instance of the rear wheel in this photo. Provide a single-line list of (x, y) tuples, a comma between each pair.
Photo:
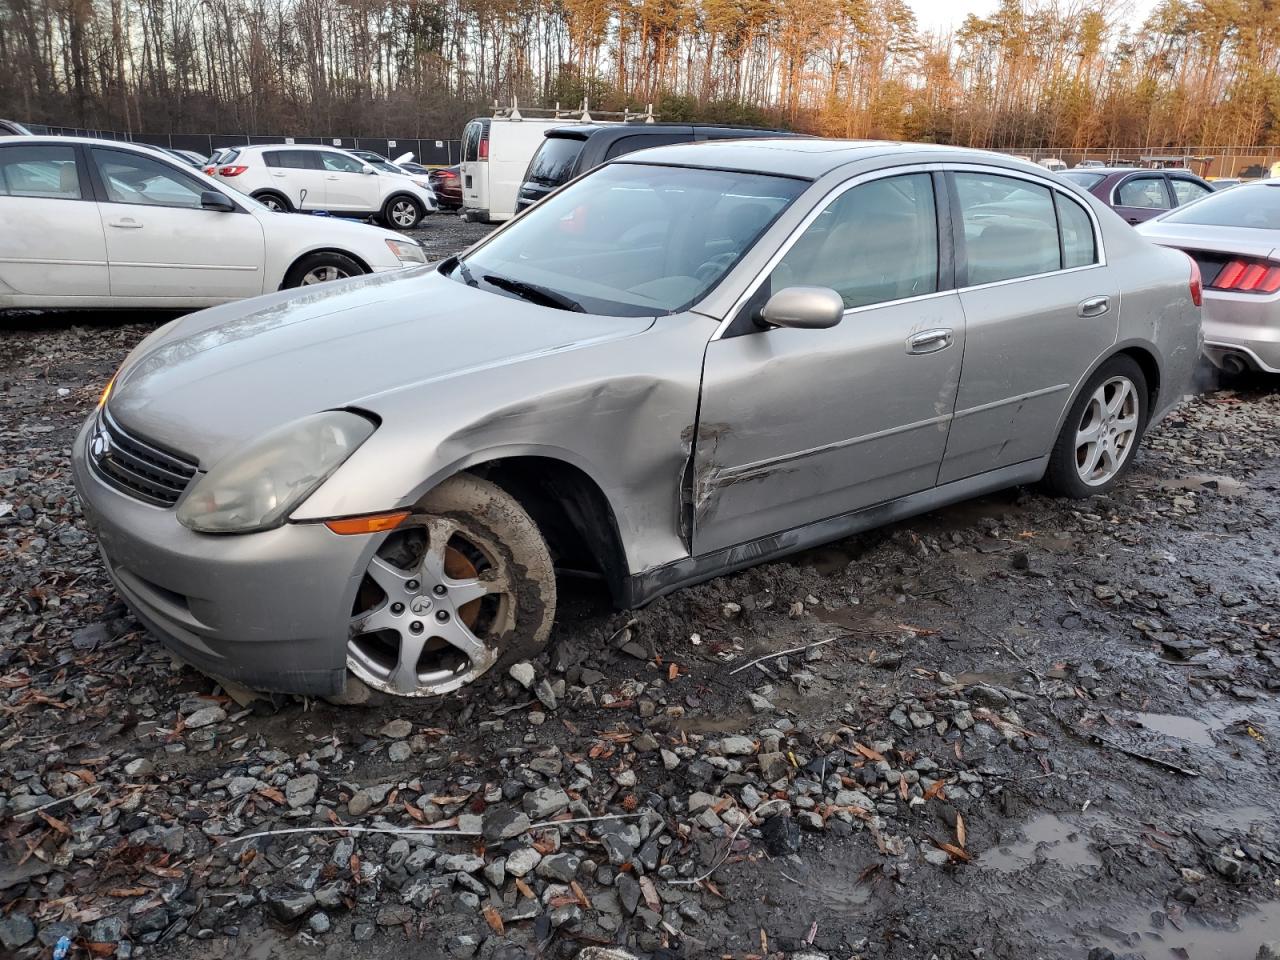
[(402, 212), (321, 268), (464, 587), (1102, 431)]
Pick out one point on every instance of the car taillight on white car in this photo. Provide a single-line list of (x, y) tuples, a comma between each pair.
[(231, 171)]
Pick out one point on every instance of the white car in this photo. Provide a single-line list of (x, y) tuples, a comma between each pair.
[(98, 223), (290, 177)]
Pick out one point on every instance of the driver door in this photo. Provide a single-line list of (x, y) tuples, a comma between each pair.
[(347, 188), (795, 425)]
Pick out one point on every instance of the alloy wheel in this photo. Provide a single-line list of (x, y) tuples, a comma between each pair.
[(404, 213), (323, 275), (435, 600), (271, 203), (1108, 431)]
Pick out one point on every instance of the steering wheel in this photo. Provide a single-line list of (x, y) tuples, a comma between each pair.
[(715, 266)]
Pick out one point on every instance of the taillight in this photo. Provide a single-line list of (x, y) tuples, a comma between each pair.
[(232, 171), (1197, 287), (1243, 275), (210, 170), (484, 148)]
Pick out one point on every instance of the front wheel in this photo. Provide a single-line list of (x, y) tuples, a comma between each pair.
[(1102, 431), (402, 213), (321, 268), (464, 586)]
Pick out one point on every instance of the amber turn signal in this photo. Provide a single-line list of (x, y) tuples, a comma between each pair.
[(106, 392), (372, 523)]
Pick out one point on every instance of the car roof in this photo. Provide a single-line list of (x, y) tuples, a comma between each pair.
[(94, 141), (804, 157), (1110, 170), (582, 131)]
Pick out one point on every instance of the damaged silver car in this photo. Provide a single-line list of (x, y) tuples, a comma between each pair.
[(690, 360)]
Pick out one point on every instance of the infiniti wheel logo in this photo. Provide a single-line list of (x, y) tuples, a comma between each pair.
[(420, 605)]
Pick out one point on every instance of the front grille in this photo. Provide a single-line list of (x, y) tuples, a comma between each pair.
[(136, 467)]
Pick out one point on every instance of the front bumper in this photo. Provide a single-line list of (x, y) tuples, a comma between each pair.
[(269, 610), (1244, 324)]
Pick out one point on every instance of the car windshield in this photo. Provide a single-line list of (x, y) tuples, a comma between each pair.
[(632, 239), (1255, 205), (1082, 178)]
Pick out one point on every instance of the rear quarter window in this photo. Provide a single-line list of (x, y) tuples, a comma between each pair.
[(554, 160)]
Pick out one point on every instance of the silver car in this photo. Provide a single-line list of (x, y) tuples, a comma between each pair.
[(685, 362), (1234, 236)]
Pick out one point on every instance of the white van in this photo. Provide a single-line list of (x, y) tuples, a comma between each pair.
[(495, 154)]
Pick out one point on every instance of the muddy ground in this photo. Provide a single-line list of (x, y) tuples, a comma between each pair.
[(1032, 728)]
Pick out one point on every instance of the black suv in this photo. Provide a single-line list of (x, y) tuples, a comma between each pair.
[(569, 151)]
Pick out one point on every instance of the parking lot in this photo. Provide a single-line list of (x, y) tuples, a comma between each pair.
[(1018, 727)]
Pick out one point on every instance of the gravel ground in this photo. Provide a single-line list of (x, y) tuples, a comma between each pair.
[(1015, 728)]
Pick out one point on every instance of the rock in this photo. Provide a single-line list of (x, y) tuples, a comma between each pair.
[(1269, 951), (759, 704), (628, 892), (362, 800), (460, 863), (396, 729), (399, 752), (699, 801), (774, 766), (301, 791), (503, 823), (141, 767), (737, 746), (496, 873), (546, 694), (781, 835), (106, 930), (205, 717), (1229, 867), (363, 930), (931, 854), (559, 866), (286, 904), (16, 930), (521, 862), (545, 802), (620, 839), (523, 674), (669, 760), (319, 922), (239, 786)]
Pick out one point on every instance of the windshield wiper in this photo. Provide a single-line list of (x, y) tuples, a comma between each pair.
[(534, 293), (461, 268)]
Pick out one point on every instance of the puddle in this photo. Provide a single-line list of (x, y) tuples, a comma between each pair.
[(1154, 937), (1181, 728), (971, 679), (1223, 486), (1048, 837), (1244, 820)]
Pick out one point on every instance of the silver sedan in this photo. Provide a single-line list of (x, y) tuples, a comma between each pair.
[(686, 362), (1234, 236)]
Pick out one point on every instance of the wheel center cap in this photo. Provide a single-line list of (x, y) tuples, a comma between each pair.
[(420, 605)]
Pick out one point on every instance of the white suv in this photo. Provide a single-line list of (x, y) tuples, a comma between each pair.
[(301, 177)]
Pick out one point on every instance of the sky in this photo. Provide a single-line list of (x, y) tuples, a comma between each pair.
[(949, 14)]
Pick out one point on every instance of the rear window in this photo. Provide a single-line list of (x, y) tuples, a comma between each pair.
[(1082, 179), (1255, 205), (472, 134), (553, 162)]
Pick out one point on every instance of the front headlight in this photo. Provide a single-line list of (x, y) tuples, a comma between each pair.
[(407, 251), (422, 182), (257, 486)]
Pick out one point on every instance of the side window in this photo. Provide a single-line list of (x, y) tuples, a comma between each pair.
[(1145, 192), (39, 171), (132, 178), (873, 243), (1184, 191), (1010, 229), (289, 159), (338, 163), (272, 158), (1079, 247)]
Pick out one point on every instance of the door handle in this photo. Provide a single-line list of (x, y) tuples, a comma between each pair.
[(1135, 219), (929, 341), (277, 173), (332, 176), (125, 223), (1094, 306)]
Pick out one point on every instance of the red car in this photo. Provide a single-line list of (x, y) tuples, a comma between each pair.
[(1139, 194), (447, 183)]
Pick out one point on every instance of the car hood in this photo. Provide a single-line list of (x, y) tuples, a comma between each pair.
[(211, 381)]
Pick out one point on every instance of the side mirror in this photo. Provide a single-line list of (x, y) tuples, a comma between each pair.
[(212, 200), (367, 169), (805, 308)]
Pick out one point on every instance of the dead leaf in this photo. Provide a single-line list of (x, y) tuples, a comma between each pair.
[(57, 824), (650, 895), (960, 830), (272, 794), (128, 891), (935, 790), (525, 889), (868, 752), (414, 812), (494, 919)]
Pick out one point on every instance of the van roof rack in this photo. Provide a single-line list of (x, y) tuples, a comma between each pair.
[(582, 115)]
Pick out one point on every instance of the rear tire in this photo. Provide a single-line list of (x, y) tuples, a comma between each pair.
[(402, 212), (274, 201), (321, 268), (1102, 431), (480, 538)]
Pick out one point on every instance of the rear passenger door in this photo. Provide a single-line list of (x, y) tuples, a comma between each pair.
[(1142, 196), (1185, 189), (51, 242), (1040, 307), (299, 175)]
